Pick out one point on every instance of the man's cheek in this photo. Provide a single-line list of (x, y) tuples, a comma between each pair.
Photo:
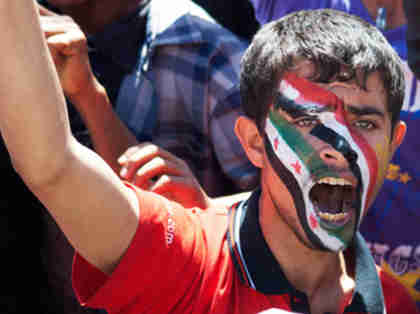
[(383, 155)]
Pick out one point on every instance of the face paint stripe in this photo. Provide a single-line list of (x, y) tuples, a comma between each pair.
[(299, 145), (332, 121), (367, 152), (372, 165), (287, 146), (303, 91), (284, 151), (294, 187), (341, 145), (336, 141), (299, 190), (294, 109)]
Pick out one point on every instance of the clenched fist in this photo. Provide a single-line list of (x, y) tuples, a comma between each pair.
[(68, 46)]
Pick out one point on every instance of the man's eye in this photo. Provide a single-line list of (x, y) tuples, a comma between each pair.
[(306, 122), (365, 124)]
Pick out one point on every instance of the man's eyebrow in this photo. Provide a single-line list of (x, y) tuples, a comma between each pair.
[(365, 111)]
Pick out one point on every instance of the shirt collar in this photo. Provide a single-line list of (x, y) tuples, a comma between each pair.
[(258, 268), (174, 22)]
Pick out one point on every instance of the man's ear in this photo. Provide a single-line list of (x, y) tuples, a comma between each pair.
[(251, 140), (398, 136)]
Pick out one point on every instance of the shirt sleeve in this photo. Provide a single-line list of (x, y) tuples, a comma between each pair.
[(229, 152), (225, 107), (159, 261)]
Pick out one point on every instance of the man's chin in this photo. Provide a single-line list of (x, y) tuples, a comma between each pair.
[(331, 235), (343, 235)]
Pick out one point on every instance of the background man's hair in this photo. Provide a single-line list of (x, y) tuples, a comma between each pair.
[(331, 40)]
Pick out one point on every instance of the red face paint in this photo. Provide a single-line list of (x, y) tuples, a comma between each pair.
[(299, 164)]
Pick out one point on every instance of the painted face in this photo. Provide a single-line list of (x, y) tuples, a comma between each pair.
[(330, 198)]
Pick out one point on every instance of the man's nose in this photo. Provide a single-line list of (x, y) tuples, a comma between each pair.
[(337, 159)]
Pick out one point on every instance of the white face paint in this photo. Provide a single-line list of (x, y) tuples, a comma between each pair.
[(330, 204)]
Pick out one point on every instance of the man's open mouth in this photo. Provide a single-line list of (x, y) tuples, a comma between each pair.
[(334, 200)]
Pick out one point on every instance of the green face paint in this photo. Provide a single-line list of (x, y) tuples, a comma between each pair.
[(300, 146), (328, 206)]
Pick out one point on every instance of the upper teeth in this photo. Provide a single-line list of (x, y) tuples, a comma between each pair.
[(334, 181)]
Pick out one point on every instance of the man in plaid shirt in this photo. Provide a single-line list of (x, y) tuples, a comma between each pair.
[(180, 92), (164, 74)]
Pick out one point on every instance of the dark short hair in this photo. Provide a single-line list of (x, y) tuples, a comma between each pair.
[(330, 39)]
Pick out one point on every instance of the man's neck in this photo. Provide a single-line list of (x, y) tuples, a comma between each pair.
[(394, 12), (93, 16), (323, 276)]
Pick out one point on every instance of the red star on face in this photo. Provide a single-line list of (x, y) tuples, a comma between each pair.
[(297, 166), (313, 222), (276, 143)]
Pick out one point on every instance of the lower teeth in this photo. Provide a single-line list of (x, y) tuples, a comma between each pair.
[(333, 217)]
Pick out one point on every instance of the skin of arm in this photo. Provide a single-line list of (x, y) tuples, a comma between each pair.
[(152, 168), (68, 47), (135, 162), (109, 135), (98, 214), (111, 138)]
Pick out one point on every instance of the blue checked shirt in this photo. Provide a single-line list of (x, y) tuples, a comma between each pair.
[(183, 94)]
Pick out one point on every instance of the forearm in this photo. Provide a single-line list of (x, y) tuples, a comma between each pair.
[(90, 204), (33, 123), (109, 135)]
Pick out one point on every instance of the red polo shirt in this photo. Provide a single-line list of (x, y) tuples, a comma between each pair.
[(191, 261)]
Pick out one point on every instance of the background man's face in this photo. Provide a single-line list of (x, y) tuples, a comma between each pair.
[(330, 145)]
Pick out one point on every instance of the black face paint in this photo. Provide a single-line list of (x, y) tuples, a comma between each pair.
[(337, 142), (340, 144), (295, 110), (293, 187), (294, 149)]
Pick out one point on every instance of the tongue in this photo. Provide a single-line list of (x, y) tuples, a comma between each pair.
[(334, 202), (332, 209)]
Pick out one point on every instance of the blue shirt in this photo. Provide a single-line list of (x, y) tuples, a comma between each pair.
[(172, 75), (183, 94)]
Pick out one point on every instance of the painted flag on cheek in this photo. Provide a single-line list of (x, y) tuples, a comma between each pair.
[(294, 169), (300, 166)]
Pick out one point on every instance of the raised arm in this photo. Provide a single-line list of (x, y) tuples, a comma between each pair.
[(95, 210), (69, 49)]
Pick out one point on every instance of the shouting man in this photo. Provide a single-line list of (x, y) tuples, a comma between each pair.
[(322, 93)]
